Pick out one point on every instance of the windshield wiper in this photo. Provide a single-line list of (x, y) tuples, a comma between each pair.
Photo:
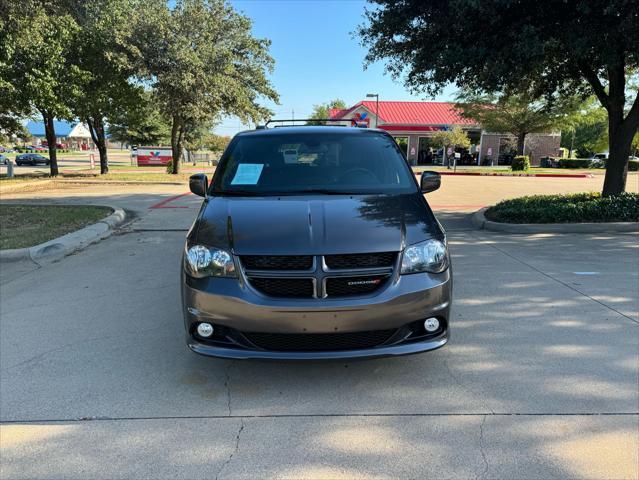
[(253, 193), (248, 193), (327, 191)]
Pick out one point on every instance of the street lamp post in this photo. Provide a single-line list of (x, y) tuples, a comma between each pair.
[(376, 95)]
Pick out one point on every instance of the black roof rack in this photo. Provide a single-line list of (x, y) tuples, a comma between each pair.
[(260, 127)]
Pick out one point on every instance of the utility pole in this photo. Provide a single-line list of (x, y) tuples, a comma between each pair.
[(376, 95)]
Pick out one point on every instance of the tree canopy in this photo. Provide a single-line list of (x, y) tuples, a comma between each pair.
[(517, 113), (202, 62), (142, 124), (562, 46), (322, 110), (34, 45), (106, 59)]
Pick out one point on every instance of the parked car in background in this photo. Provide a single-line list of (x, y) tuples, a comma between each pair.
[(31, 159), (598, 160), (61, 146), (3, 159)]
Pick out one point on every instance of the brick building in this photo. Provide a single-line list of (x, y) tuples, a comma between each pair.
[(414, 123)]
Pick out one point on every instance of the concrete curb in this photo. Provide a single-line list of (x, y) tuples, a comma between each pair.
[(479, 221), (69, 243)]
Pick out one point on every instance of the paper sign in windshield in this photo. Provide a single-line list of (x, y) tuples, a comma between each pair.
[(247, 174)]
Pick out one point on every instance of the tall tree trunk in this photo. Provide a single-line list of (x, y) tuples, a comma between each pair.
[(620, 129), (620, 134), (177, 132), (620, 141), (96, 127), (521, 143), (49, 130)]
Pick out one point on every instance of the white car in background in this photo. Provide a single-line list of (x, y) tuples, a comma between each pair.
[(598, 160)]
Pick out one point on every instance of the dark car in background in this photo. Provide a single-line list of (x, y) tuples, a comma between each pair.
[(31, 159), (315, 243)]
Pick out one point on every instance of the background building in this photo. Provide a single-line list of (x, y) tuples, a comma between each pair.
[(413, 124), (75, 136)]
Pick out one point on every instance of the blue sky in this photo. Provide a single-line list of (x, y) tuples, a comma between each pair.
[(316, 58)]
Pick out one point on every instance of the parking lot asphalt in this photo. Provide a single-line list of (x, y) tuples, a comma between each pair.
[(540, 379)]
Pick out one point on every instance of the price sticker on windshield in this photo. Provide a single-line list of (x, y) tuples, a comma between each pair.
[(247, 174)]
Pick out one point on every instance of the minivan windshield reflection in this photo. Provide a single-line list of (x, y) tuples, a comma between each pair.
[(290, 164)]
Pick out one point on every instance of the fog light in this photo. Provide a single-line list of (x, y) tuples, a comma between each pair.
[(431, 324), (205, 330)]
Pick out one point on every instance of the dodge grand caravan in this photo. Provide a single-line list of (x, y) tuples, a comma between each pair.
[(315, 243)]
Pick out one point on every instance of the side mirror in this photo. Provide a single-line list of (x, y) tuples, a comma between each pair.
[(430, 181), (198, 184)]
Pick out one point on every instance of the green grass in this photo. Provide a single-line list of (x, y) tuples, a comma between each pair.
[(154, 177), (570, 208), (28, 225), (129, 177)]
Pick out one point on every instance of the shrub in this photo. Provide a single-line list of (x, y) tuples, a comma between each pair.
[(575, 208), (520, 163), (169, 166), (575, 163), (633, 165)]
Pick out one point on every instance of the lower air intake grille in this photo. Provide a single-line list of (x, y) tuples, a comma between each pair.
[(360, 260), (343, 287), (316, 342), (277, 262), (284, 287)]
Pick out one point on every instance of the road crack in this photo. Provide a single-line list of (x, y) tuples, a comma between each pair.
[(481, 449), (234, 452)]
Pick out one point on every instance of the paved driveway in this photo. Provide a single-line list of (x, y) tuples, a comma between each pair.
[(539, 380)]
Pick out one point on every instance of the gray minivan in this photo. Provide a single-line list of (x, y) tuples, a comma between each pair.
[(315, 242)]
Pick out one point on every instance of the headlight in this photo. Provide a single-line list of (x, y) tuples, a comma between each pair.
[(429, 256), (201, 261)]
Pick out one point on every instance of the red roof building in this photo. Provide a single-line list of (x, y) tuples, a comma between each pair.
[(413, 123)]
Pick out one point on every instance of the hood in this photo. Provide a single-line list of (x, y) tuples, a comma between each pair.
[(316, 225)]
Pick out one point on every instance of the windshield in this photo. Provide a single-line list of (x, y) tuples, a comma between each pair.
[(328, 163)]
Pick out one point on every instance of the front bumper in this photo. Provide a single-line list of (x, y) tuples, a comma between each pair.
[(235, 306)]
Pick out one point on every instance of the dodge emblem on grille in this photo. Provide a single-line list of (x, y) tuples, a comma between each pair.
[(364, 282)]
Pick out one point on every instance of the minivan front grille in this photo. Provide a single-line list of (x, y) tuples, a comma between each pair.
[(347, 286), (284, 287), (316, 277), (317, 342), (360, 260), (277, 262)]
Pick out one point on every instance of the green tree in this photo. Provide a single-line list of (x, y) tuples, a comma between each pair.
[(453, 138), (140, 124), (34, 43), (516, 113), (11, 126), (570, 46), (586, 132), (105, 59), (217, 143), (203, 62), (323, 110)]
